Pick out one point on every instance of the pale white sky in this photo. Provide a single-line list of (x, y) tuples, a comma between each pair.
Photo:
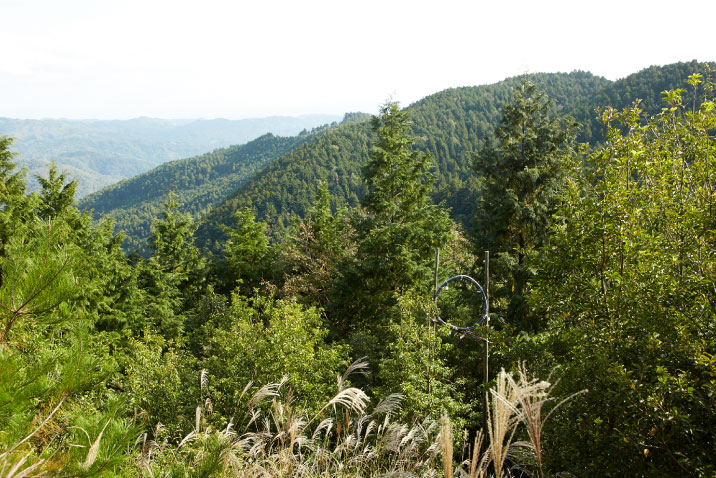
[(237, 59)]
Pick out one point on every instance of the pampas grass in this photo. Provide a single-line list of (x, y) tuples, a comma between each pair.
[(446, 442), (348, 437), (531, 396), (345, 438), (517, 401)]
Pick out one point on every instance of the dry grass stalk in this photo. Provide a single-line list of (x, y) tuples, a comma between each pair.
[(94, 449), (7, 458), (501, 421), (446, 442), (278, 441), (478, 465), (530, 397)]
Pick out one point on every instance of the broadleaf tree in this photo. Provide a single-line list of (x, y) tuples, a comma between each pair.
[(627, 289)]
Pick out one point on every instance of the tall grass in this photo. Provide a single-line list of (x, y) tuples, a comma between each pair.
[(514, 402), (348, 437)]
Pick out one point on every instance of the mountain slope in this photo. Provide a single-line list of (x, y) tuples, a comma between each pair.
[(198, 183), (450, 125), (646, 85), (287, 186)]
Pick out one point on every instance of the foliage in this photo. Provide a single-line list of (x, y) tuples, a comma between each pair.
[(160, 382), (98, 153), (55, 194), (627, 285), (523, 174), (448, 125), (95, 346), (47, 365), (173, 275), (14, 207), (37, 278), (414, 364), (100, 439), (288, 184), (402, 227), (247, 253), (261, 340), (349, 437), (646, 85), (198, 183), (314, 252), (346, 437)]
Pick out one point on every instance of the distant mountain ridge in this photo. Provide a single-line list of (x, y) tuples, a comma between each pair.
[(449, 125), (101, 152)]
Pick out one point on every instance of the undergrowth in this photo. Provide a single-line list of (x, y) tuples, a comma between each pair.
[(350, 438)]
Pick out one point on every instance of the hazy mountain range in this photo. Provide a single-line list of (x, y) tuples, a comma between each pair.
[(98, 153)]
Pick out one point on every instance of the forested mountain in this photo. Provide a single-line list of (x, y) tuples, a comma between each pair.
[(646, 85), (450, 126), (289, 184), (197, 184), (98, 153), (325, 352)]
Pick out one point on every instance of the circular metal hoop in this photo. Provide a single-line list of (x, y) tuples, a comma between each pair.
[(484, 303)]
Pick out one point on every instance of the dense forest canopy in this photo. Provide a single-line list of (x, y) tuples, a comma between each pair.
[(313, 350), (197, 183), (450, 125)]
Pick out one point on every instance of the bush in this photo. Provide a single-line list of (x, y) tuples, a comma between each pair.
[(261, 340)]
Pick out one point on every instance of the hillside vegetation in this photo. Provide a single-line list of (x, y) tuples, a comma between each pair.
[(329, 350), (449, 125), (198, 183)]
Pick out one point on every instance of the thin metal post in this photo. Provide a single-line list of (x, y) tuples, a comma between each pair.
[(431, 324), (437, 263), (486, 379)]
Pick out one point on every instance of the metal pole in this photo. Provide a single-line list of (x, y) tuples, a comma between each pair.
[(437, 263), (487, 342), (431, 324)]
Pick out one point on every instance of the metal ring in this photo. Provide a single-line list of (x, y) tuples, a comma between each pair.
[(484, 303)]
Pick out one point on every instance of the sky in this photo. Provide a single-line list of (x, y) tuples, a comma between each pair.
[(107, 59)]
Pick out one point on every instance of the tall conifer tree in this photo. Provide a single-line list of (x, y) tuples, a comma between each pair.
[(56, 195), (248, 253), (174, 273), (14, 207), (402, 226), (523, 171)]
